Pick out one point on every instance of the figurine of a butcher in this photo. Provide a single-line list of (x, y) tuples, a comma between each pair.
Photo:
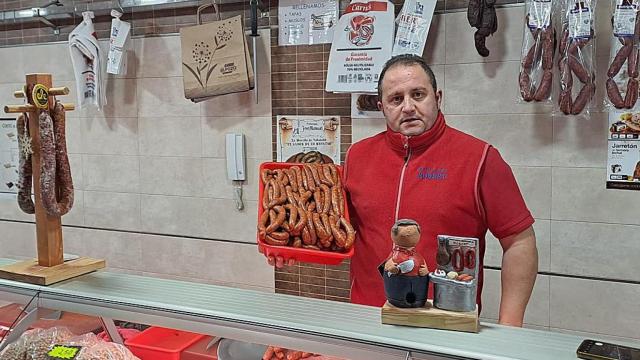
[(404, 259)]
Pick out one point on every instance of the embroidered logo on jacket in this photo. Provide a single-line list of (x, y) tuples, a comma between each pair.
[(428, 173)]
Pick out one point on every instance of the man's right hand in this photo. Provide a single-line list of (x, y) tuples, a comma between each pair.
[(279, 262)]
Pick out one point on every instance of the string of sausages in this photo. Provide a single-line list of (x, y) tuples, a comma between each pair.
[(303, 206), (540, 51), (56, 184), (571, 63), (25, 170), (627, 53)]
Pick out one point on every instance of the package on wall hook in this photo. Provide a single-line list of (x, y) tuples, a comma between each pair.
[(118, 44), (87, 64)]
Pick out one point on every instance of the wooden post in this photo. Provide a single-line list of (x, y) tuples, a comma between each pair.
[(48, 228)]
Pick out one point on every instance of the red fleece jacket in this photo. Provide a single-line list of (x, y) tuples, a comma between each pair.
[(449, 182)]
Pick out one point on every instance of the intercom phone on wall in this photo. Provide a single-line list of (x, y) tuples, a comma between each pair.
[(236, 164)]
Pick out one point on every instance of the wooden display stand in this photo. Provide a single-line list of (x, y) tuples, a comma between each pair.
[(431, 317), (50, 266)]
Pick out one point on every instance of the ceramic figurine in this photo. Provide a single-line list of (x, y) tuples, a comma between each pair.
[(405, 272)]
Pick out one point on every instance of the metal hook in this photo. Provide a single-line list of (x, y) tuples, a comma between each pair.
[(408, 357), (120, 6)]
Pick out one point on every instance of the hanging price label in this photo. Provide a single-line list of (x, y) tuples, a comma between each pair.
[(64, 352)]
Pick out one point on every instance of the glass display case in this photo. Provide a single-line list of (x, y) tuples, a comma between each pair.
[(319, 326)]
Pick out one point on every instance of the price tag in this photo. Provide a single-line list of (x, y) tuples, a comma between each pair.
[(64, 352)]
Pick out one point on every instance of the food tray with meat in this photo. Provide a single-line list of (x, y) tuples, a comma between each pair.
[(307, 217)]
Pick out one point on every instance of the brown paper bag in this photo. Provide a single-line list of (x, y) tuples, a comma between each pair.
[(215, 58)]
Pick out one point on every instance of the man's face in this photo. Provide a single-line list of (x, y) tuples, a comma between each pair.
[(408, 101)]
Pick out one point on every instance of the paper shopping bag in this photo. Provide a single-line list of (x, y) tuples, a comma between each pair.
[(215, 57)]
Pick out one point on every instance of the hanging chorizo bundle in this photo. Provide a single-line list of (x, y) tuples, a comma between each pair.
[(624, 50), (56, 184), (536, 65), (576, 56), (303, 206)]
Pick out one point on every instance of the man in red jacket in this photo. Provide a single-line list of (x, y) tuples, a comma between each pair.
[(449, 182)]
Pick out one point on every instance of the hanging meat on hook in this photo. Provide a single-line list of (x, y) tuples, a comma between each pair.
[(56, 184), (25, 168), (481, 14)]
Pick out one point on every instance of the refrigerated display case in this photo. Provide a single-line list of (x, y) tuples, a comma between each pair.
[(333, 328)]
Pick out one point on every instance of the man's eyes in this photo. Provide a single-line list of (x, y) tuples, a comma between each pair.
[(419, 95)]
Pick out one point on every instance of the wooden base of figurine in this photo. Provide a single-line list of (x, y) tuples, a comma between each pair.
[(30, 272), (431, 317)]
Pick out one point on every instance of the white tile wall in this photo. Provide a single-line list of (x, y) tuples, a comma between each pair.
[(595, 306), (595, 249), (170, 136), (171, 176)]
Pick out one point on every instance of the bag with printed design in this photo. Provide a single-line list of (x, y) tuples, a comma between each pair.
[(215, 58), (362, 43)]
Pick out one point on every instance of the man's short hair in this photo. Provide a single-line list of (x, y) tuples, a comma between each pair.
[(404, 222), (407, 60)]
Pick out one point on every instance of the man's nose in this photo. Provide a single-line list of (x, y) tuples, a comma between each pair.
[(408, 105)]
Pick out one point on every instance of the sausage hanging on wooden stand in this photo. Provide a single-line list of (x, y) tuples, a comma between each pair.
[(56, 183), (25, 167)]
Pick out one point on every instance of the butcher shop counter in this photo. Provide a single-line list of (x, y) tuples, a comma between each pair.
[(332, 328)]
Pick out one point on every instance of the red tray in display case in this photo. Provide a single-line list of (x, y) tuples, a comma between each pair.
[(298, 254)]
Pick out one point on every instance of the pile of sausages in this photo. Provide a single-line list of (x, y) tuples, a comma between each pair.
[(628, 53), (572, 62), (303, 207), (56, 184)]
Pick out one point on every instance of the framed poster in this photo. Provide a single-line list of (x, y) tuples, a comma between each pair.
[(308, 139)]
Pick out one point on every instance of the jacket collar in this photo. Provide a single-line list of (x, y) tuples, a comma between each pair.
[(397, 141)]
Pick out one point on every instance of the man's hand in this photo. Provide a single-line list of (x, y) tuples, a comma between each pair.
[(279, 262), (519, 270)]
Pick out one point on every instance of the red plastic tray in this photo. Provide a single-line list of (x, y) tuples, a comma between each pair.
[(288, 252), (157, 343)]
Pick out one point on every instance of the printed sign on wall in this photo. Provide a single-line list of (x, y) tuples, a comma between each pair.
[(306, 22), (308, 139)]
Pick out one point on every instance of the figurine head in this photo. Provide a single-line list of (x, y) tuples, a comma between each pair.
[(405, 233)]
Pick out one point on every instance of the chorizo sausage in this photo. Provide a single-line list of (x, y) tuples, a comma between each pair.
[(621, 56), (632, 63), (25, 168), (631, 96), (544, 88), (578, 68), (277, 222), (351, 233), (613, 92), (55, 171), (583, 98), (525, 86), (262, 224), (565, 101)]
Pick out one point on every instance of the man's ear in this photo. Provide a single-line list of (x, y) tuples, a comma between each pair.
[(380, 107), (439, 98)]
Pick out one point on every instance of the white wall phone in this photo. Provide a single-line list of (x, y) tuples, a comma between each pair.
[(236, 164)]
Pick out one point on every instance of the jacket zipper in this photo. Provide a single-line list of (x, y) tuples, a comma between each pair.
[(404, 167)]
